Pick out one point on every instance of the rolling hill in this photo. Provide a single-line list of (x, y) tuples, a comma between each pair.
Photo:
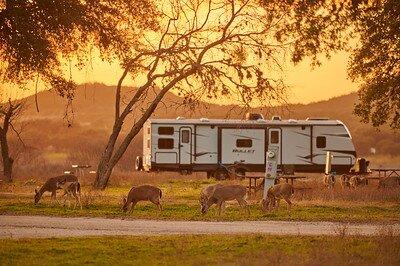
[(52, 145)]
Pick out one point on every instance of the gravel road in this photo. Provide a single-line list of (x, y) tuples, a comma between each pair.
[(43, 226)]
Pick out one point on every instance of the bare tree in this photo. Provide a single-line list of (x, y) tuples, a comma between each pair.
[(207, 49), (9, 112)]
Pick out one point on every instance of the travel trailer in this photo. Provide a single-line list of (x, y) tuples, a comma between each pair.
[(215, 145)]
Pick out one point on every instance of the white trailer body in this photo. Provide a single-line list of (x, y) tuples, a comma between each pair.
[(212, 144)]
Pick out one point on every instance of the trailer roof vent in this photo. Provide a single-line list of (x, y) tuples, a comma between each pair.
[(276, 118), (254, 116), (180, 118), (317, 118), (292, 121), (204, 119)]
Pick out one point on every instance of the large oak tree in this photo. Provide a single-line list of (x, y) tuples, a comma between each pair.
[(227, 49), (370, 32), (39, 37)]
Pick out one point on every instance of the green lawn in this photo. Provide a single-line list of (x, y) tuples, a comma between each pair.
[(192, 212), (180, 202), (219, 249)]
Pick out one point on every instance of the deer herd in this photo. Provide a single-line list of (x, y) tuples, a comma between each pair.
[(216, 194), (355, 181)]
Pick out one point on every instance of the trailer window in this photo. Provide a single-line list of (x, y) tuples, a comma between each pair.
[(165, 144), (274, 138), (185, 136), (165, 131), (321, 142), (244, 143)]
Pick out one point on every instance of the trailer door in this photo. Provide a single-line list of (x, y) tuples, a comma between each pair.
[(275, 140), (185, 141)]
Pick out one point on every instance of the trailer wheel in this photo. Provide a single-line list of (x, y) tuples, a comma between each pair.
[(209, 175), (221, 174), (186, 172), (238, 170), (139, 163)]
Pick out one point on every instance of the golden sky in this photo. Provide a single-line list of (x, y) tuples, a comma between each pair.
[(324, 82), (306, 84)]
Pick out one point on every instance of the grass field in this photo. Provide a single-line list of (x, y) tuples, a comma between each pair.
[(198, 250), (180, 201)]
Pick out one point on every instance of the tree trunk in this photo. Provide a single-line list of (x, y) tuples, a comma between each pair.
[(104, 168), (110, 158), (103, 174), (9, 112), (7, 168), (7, 160)]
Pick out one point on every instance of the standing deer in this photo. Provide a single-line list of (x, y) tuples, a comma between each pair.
[(71, 189), (329, 181), (275, 193), (52, 185), (225, 193), (345, 181), (142, 193), (356, 181)]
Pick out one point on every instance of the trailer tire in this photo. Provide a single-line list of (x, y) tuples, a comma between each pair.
[(139, 163), (238, 170), (221, 174), (186, 172), (240, 173)]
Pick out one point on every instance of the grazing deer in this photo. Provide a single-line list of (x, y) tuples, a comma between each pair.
[(225, 193), (207, 192), (52, 185), (329, 181), (356, 181), (389, 182), (142, 193), (277, 192), (71, 189), (345, 181)]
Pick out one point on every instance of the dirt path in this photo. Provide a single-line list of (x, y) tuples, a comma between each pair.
[(42, 226)]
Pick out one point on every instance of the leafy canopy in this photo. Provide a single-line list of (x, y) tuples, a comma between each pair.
[(369, 30), (38, 36)]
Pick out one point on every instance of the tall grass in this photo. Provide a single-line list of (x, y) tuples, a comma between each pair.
[(369, 193)]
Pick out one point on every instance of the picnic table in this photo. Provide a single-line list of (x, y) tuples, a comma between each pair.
[(253, 182), (254, 178), (386, 172), (292, 178)]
